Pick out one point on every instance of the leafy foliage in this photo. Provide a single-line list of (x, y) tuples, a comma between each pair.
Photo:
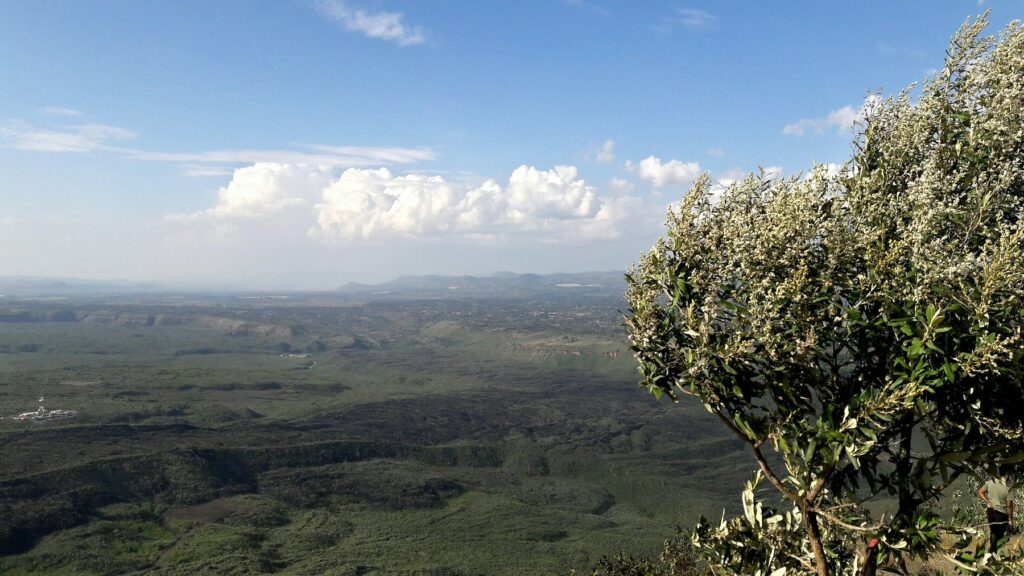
[(678, 558), (864, 323)]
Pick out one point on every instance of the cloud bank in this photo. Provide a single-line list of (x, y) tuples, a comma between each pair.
[(553, 205)]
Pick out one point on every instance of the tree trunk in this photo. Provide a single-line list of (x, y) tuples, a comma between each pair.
[(870, 559), (904, 467), (814, 536)]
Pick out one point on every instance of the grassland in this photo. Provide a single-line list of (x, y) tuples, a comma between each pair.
[(325, 435)]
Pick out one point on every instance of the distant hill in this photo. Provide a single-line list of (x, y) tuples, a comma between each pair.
[(48, 287), (501, 284)]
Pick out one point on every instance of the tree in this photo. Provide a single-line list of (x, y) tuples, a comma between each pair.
[(861, 328), (677, 559)]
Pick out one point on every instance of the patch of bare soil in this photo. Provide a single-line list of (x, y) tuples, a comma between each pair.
[(943, 565)]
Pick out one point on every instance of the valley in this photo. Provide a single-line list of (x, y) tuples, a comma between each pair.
[(342, 433)]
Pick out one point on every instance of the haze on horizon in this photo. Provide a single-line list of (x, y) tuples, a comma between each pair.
[(307, 144)]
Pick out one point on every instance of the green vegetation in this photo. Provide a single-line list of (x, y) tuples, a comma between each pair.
[(863, 326), (440, 436)]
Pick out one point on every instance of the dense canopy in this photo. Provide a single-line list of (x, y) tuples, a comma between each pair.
[(864, 322)]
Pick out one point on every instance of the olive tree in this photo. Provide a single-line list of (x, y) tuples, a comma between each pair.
[(859, 328)]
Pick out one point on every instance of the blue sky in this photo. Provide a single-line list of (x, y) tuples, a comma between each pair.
[(304, 144)]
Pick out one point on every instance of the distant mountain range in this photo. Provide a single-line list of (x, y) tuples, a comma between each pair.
[(34, 286), (501, 284)]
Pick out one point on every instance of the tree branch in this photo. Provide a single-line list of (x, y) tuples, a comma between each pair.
[(820, 485), (935, 491), (854, 527), (765, 467), (773, 479)]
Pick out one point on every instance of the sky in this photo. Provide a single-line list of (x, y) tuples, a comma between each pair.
[(304, 144)]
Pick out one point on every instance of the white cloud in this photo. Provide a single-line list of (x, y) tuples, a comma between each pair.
[(556, 193), (341, 156), (620, 186), (58, 111), (843, 120), (83, 138), (694, 18), (832, 169), (365, 204), (730, 177), (200, 171), (829, 170), (265, 189), (361, 204), (716, 152), (605, 154), (373, 203), (387, 26), (78, 138), (661, 174)]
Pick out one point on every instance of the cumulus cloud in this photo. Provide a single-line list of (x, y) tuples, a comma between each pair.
[(556, 193), (376, 204), (729, 177), (723, 180), (620, 186), (829, 170), (832, 169), (372, 203), (605, 154), (365, 204), (78, 138), (661, 174), (388, 26), (265, 189), (843, 120)]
